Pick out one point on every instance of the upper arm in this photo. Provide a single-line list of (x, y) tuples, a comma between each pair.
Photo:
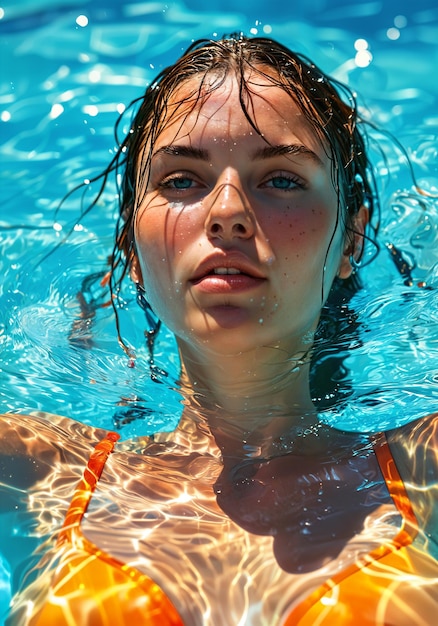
[(24, 457), (41, 460), (36, 449)]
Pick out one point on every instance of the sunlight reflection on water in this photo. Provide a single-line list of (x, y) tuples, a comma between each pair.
[(71, 67)]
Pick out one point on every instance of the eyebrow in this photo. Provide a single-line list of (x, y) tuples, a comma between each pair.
[(287, 149), (267, 152), (184, 151)]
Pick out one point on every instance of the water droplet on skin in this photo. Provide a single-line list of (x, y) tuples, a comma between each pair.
[(261, 320)]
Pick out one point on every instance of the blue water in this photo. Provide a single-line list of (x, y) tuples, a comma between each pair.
[(68, 67)]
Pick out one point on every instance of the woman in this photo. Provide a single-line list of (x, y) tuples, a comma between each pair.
[(245, 202)]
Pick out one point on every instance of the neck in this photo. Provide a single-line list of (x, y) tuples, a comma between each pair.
[(252, 396)]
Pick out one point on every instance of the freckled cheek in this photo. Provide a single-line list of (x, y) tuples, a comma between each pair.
[(305, 231)]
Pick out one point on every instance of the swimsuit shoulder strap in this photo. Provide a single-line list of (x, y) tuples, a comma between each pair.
[(369, 574), (396, 487), (86, 486)]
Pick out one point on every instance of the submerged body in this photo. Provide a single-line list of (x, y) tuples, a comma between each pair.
[(268, 537)]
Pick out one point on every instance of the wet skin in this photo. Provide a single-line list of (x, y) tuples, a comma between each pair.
[(311, 506), (221, 196), (239, 238)]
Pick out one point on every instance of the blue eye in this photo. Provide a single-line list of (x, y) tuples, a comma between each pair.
[(182, 183), (282, 182), (178, 182)]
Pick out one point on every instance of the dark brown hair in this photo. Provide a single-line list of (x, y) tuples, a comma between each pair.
[(321, 100), (327, 105)]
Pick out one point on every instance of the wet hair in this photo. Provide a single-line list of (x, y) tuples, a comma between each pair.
[(328, 106)]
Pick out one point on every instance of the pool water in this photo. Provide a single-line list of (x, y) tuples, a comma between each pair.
[(69, 68)]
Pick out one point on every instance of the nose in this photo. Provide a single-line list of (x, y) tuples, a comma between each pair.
[(229, 215)]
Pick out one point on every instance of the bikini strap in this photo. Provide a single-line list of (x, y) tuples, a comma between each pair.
[(87, 484), (397, 489), (403, 538)]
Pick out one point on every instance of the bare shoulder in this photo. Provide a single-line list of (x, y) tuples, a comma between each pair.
[(38, 430), (414, 448), (31, 446)]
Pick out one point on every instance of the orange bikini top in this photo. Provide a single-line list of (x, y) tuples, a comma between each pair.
[(91, 587)]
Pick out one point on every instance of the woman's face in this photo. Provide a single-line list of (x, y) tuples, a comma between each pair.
[(238, 235)]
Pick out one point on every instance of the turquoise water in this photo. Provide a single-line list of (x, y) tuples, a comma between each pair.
[(68, 69)]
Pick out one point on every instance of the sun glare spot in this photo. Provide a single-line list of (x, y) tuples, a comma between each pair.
[(56, 111), (361, 44), (400, 21), (91, 110), (29, 608), (393, 34), (94, 76), (363, 58), (82, 20)]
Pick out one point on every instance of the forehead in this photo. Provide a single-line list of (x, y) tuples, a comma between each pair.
[(215, 104)]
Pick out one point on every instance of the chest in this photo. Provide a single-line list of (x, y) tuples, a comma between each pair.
[(258, 538)]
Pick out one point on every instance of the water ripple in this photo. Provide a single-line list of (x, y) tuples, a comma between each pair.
[(62, 89)]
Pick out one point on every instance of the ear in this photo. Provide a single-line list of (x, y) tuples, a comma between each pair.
[(135, 270), (354, 242)]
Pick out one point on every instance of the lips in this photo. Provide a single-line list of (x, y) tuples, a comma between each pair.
[(226, 273)]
